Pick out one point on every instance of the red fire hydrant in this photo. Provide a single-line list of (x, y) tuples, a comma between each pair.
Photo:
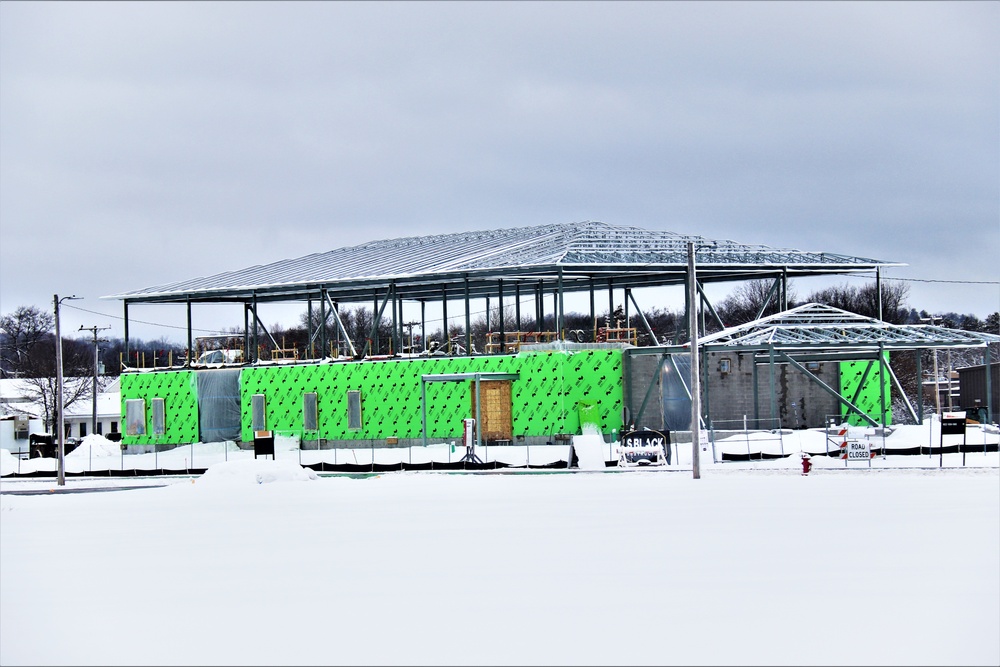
[(806, 463)]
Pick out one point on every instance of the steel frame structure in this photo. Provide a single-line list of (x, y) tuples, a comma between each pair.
[(544, 260), (817, 332)]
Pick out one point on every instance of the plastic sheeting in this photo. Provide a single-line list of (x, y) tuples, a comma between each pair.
[(676, 397), (219, 405), (135, 416)]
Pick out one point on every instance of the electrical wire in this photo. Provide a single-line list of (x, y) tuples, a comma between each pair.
[(529, 300)]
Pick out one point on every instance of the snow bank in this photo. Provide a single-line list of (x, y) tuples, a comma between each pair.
[(254, 471), (95, 446), (820, 441), (286, 443), (589, 450), (8, 463)]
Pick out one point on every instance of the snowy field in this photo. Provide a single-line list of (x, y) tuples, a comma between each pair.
[(264, 562), (96, 453)]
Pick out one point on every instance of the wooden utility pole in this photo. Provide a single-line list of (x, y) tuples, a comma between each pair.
[(94, 330)]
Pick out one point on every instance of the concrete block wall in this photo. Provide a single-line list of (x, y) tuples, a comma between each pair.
[(731, 396), (641, 372)]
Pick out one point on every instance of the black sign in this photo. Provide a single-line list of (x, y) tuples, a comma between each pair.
[(263, 446), (953, 426), (643, 447), (644, 438)]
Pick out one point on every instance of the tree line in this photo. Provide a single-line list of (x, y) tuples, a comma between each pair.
[(27, 339)]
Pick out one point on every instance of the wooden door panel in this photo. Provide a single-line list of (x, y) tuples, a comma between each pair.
[(495, 414)]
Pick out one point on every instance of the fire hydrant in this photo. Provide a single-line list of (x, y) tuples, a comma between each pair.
[(806, 463)]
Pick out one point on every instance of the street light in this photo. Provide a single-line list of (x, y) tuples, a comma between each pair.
[(695, 372), (61, 478)]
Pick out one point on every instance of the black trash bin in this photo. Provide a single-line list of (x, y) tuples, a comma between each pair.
[(263, 444)]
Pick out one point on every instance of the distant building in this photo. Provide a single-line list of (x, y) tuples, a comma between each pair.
[(949, 393), (22, 414), (972, 381), (79, 417)]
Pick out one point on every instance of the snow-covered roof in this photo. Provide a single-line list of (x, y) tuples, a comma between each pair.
[(16, 398), (108, 403), (19, 396), (580, 255)]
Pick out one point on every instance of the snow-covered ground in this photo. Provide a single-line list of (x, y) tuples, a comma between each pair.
[(265, 562), (97, 453)]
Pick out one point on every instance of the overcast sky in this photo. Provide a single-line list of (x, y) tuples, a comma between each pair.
[(147, 143)]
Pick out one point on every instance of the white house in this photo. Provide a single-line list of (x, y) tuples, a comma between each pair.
[(79, 417), (21, 413)]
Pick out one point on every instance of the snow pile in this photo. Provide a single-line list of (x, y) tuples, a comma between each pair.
[(8, 463), (219, 448), (589, 450), (95, 446), (255, 471), (286, 443)]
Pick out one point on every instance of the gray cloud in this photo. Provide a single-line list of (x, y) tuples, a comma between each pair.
[(171, 140)]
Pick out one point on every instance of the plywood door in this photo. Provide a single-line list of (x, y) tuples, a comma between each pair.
[(495, 417)]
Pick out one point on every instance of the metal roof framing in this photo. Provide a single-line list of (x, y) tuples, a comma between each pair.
[(586, 254), (817, 332), (817, 328)]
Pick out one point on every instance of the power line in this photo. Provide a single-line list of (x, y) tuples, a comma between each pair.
[(927, 280), (152, 324), (531, 300), (957, 282), (217, 331)]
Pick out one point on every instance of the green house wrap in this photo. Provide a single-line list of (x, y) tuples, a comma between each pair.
[(376, 400), (859, 383), (178, 389)]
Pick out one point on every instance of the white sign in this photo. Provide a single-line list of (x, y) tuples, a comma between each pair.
[(858, 451), (643, 447)]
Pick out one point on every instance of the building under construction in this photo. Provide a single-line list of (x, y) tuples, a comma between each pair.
[(534, 384)]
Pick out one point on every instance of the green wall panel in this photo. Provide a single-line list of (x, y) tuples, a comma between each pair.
[(594, 375), (543, 400), (178, 390), (868, 400)]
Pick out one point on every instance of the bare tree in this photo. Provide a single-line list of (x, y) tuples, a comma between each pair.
[(22, 329), (37, 367), (749, 299), (864, 300), (42, 391)]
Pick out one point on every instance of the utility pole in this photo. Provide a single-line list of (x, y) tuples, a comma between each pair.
[(94, 330), (61, 421), (410, 325), (695, 388), (937, 387), (695, 361), (951, 402)]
